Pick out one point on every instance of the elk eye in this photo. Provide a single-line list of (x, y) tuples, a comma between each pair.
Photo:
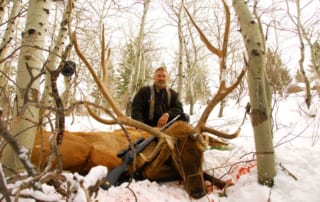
[(194, 136)]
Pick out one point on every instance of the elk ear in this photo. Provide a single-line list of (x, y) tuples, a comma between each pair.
[(201, 140), (198, 137)]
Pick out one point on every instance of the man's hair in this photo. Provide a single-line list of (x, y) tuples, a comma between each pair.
[(160, 69)]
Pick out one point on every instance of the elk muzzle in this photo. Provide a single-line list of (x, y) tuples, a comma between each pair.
[(195, 186)]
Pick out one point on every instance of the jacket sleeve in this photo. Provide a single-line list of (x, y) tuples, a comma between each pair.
[(139, 104), (176, 107)]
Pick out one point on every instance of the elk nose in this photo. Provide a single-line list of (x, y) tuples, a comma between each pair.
[(198, 195)]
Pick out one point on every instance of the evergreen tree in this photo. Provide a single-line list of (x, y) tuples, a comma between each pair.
[(278, 75)]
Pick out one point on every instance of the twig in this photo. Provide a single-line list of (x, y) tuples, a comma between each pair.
[(134, 194), (287, 172), (21, 152), (60, 113), (28, 88), (269, 196), (81, 183), (231, 167), (3, 188), (295, 136)]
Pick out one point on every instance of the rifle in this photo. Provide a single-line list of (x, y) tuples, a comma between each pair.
[(127, 155)]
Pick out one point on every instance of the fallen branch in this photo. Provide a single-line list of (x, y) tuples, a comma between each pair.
[(285, 170)]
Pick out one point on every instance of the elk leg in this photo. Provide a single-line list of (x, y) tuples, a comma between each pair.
[(216, 181)]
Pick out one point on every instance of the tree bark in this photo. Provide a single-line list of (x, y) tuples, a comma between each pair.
[(299, 27), (138, 70), (3, 9), (5, 47), (181, 50), (28, 83), (259, 91), (54, 58)]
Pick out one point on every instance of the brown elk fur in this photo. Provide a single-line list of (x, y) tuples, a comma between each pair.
[(81, 151), (75, 151)]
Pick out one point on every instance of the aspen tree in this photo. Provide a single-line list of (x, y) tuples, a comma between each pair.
[(139, 68), (30, 63), (301, 35), (3, 9), (55, 55), (5, 48), (259, 92)]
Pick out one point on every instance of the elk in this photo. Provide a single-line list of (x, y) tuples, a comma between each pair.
[(177, 153), (83, 150)]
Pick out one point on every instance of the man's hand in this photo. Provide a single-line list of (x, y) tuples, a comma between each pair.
[(163, 120)]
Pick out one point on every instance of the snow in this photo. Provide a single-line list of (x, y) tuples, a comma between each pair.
[(296, 135)]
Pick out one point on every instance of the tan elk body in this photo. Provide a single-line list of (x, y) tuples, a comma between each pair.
[(80, 151)]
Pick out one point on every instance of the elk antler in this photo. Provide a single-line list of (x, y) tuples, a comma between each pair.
[(117, 112), (223, 91)]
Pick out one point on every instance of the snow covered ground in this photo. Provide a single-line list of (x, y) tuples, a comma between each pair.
[(297, 150)]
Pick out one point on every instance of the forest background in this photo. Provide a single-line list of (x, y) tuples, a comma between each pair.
[(140, 36)]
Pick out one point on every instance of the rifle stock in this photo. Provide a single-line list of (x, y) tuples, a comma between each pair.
[(114, 175)]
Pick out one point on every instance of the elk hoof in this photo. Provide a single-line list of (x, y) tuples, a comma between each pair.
[(198, 195)]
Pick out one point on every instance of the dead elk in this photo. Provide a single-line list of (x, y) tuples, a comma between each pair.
[(81, 151)]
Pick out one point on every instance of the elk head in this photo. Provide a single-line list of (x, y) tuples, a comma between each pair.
[(187, 158)]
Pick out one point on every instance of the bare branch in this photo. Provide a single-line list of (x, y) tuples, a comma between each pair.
[(3, 188), (21, 152)]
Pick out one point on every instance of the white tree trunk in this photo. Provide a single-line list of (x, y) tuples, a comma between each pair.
[(138, 70), (3, 9), (5, 47), (54, 58), (10, 30), (181, 51), (259, 91), (297, 21), (67, 95), (30, 63)]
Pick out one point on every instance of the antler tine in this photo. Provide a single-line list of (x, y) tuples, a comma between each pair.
[(96, 78), (226, 30), (221, 94), (224, 44), (223, 91), (203, 38), (120, 116), (221, 134)]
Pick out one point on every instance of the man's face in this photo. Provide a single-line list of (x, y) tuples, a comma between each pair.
[(160, 79)]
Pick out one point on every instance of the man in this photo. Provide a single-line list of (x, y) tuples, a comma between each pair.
[(157, 104)]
